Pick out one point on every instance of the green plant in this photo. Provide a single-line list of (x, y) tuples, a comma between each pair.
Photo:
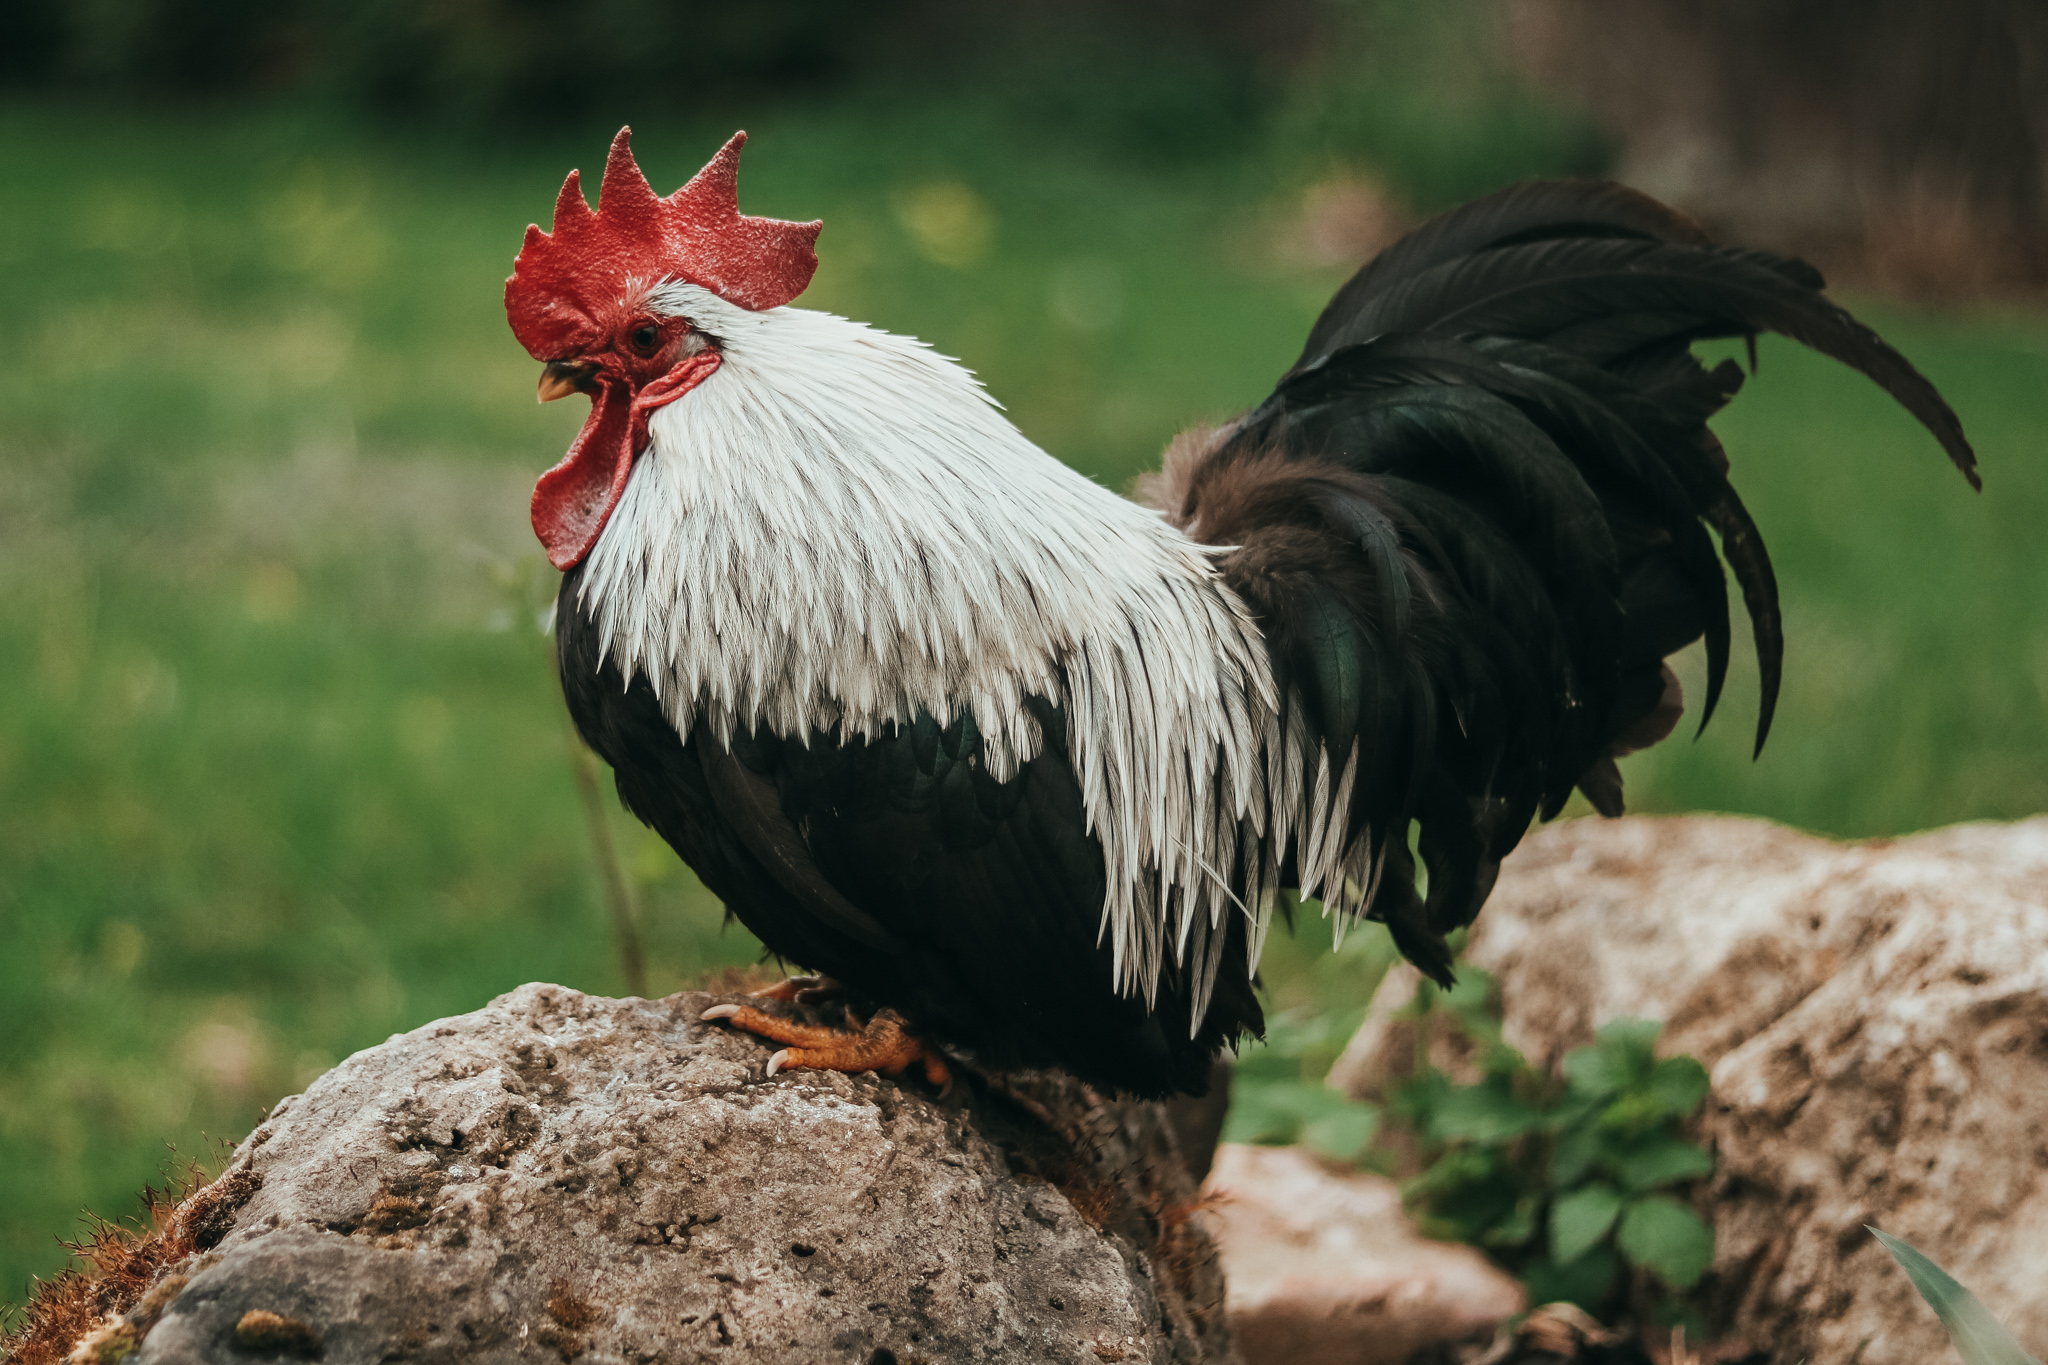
[(1278, 1097), (1567, 1180), (1980, 1339), (1278, 1094)]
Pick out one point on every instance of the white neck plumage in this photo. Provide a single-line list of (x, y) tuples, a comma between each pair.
[(838, 529)]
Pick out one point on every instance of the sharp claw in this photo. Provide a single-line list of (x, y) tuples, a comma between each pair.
[(881, 1044)]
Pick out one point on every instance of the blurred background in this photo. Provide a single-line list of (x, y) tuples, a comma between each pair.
[(282, 765)]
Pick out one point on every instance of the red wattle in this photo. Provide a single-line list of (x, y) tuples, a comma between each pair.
[(573, 501)]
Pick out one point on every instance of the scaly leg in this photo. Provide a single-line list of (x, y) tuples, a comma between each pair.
[(883, 1044)]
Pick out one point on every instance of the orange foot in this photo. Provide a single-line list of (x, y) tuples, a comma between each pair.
[(801, 990), (882, 1044)]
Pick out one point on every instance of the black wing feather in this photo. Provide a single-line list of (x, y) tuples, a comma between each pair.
[(899, 866)]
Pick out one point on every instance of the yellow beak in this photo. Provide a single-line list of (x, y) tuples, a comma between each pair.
[(560, 378)]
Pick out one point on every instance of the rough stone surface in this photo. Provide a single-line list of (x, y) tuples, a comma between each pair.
[(1325, 1268), (1874, 1018), (560, 1177)]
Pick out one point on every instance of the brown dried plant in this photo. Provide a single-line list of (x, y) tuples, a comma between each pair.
[(115, 1266)]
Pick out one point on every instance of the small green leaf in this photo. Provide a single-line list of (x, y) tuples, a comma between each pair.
[(1254, 1118), (1572, 1154), (1342, 1134), (1580, 1219), (1471, 997), (1274, 1112), (1264, 1064), (1486, 1112), (1569, 1111), (1667, 1239), (1633, 1115), (1662, 1160), (1498, 1059), (1678, 1084), (1516, 1229), (1314, 1100), (1631, 1040), (1251, 1125), (1620, 1057), (1456, 1170), (1478, 1209), (1979, 1338), (1586, 1282), (1595, 1072), (1417, 1100)]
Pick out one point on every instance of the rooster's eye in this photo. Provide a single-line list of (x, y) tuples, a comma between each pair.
[(645, 337)]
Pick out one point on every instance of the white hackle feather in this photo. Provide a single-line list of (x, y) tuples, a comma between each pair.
[(838, 529)]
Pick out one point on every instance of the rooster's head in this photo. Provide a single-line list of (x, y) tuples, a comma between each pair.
[(592, 301)]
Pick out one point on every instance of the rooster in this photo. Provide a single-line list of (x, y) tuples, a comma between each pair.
[(1022, 768)]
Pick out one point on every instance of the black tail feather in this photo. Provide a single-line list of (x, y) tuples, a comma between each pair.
[(1522, 213), (1473, 517), (1743, 544)]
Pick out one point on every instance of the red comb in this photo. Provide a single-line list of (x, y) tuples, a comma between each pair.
[(566, 280)]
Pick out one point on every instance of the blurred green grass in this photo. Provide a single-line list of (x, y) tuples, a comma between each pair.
[(282, 769)]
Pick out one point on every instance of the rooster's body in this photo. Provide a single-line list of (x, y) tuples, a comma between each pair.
[(1029, 764)]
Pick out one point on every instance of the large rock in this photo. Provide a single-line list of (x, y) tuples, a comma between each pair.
[(559, 1177), (1326, 1269), (1874, 1018)]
